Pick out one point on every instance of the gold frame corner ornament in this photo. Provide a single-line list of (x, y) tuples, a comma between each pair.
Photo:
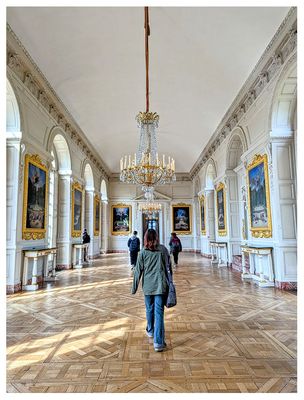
[(76, 185), (34, 233), (265, 232), (96, 204), (202, 201), (188, 232), (221, 232), (120, 205)]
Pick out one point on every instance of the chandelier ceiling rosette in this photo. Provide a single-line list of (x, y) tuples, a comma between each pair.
[(145, 167)]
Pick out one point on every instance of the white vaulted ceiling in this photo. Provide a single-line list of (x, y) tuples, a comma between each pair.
[(94, 60)]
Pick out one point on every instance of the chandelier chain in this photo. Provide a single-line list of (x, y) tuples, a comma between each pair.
[(147, 34), (145, 167)]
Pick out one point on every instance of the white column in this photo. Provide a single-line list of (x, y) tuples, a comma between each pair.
[(210, 221), (105, 226), (64, 221), (283, 198), (196, 223), (13, 267), (232, 215)]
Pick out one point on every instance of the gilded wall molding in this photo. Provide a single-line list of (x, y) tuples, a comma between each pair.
[(20, 63), (276, 54)]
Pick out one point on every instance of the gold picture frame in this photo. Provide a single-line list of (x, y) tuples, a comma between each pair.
[(182, 218), (259, 208), (96, 215), (121, 219), (35, 198), (76, 204), (221, 209), (202, 202)]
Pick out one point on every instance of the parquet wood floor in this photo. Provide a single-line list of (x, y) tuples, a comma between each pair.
[(86, 333)]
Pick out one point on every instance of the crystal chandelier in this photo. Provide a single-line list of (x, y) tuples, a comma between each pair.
[(149, 208), (145, 167)]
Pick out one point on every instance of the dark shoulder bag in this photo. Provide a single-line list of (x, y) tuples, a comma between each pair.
[(171, 294)]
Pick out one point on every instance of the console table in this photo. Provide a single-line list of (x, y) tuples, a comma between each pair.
[(35, 254), (219, 254), (80, 247), (260, 265)]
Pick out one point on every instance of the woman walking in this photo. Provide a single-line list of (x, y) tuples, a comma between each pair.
[(175, 247), (151, 265)]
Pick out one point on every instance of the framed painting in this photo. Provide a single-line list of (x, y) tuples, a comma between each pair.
[(77, 195), (202, 202), (96, 215), (34, 198), (221, 209), (121, 216), (259, 198), (181, 218)]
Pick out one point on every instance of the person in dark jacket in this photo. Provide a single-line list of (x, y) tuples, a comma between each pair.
[(151, 264), (85, 239), (175, 247), (134, 247)]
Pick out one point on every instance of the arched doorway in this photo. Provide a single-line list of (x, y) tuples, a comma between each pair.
[(89, 209), (60, 198), (283, 135), (236, 194), (208, 192), (13, 212)]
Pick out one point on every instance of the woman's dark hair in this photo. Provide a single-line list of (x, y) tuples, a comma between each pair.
[(151, 240), (173, 234)]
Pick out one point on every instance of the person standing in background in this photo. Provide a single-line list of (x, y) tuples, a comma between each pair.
[(175, 247), (134, 247), (85, 240)]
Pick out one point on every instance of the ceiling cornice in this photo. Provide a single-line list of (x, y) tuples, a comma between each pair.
[(20, 62), (271, 62), (180, 177)]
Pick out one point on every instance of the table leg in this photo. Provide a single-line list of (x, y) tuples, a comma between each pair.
[(34, 285), (54, 265), (245, 274)]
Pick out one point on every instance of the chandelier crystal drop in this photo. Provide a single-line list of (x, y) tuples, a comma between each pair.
[(145, 167)]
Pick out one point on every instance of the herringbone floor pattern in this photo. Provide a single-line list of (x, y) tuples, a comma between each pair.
[(86, 333)]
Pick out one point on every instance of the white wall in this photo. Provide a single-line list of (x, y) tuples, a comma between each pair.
[(38, 130), (266, 128), (167, 195)]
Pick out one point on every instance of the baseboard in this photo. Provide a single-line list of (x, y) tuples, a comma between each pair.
[(11, 289), (206, 255), (117, 252), (62, 267), (287, 285)]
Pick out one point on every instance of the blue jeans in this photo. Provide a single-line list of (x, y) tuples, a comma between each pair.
[(155, 318)]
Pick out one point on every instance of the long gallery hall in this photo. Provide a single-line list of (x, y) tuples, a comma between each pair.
[(151, 200)]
